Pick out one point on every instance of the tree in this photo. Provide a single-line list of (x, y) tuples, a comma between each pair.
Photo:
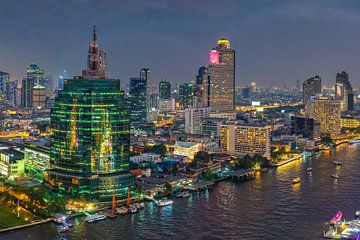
[(208, 174), (326, 138)]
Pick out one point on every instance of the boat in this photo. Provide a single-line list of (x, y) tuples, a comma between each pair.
[(337, 163), (264, 170), (110, 213), (354, 141), (185, 194), (357, 214), (179, 194), (64, 229), (122, 210), (132, 208), (309, 169), (95, 218), (296, 180), (139, 205), (331, 233), (336, 217), (164, 202), (335, 176)]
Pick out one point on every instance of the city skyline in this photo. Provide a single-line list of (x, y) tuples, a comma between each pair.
[(272, 40)]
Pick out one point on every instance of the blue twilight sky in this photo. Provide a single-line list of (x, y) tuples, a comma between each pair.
[(276, 41)]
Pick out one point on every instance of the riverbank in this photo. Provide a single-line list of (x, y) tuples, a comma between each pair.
[(285, 161), (9, 229)]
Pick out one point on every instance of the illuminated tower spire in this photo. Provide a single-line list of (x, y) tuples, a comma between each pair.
[(96, 66)]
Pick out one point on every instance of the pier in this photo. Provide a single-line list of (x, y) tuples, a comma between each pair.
[(200, 185), (242, 174)]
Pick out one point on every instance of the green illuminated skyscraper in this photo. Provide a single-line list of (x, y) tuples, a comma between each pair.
[(90, 144)]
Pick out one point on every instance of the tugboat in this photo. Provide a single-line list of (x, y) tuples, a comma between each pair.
[(335, 176), (296, 180)]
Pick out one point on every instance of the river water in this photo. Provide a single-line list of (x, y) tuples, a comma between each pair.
[(267, 207)]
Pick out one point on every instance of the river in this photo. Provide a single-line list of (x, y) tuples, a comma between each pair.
[(267, 207)]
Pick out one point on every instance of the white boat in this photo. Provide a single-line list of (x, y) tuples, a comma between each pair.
[(95, 218), (309, 169), (334, 175), (122, 210), (132, 209), (357, 214), (164, 202)]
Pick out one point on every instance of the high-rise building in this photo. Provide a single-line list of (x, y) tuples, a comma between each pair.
[(186, 94), (4, 79), (90, 144), (311, 87), (245, 139), (96, 61), (253, 87), (246, 92), (12, 92), (306, 127), (36, 72), (193, 117), (137, 101), (344, 91), (199, 77), (327, 112), (38, 97), (27, 85), (298, 85), (164, 89), (220, 79), (151, 98)]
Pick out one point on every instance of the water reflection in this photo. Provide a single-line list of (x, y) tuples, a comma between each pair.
[(267, 207)]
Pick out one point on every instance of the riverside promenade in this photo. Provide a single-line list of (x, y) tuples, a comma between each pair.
[(26, 225)]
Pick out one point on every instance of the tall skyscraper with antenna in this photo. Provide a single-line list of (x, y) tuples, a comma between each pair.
[(90, 144)]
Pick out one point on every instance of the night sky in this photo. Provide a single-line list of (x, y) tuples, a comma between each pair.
[(276, 42)]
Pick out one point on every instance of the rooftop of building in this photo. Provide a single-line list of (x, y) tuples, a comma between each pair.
[(13, 154), (185, 144)]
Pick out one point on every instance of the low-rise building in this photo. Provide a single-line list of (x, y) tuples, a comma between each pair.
[(11, 163), (37, 158), (188, 149)]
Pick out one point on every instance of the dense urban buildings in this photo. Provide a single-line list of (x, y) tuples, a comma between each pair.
[(90, 144), (311, 87)]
